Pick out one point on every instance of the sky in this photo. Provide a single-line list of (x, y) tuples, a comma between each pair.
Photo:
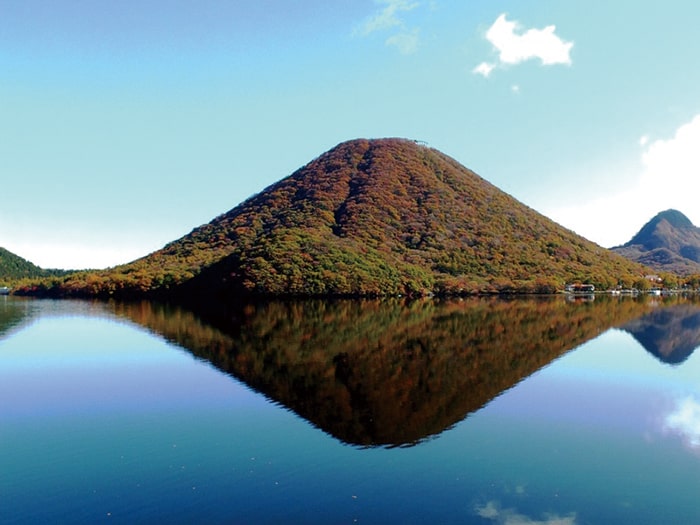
[(125, 125)]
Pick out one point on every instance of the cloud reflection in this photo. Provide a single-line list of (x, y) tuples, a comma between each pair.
[(494, 512), (685, 421)]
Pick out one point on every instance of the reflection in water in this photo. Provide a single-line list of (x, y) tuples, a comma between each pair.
[(109, 423), (18, 312), (12, 314), (685, 421), (669, 333), (493, 512), (390, 372)]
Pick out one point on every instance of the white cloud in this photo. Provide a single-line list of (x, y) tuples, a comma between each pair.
[(674, 164), (643, 140), (514, 48), (494, 512), (484, 69), (667, 178), (389, 17), (685, 421), (406, 42)]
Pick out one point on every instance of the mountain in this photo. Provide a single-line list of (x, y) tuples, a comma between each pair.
[(369, 217), (14, 267), (669, 242)]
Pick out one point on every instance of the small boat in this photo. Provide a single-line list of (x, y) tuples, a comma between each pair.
[(4, 290)]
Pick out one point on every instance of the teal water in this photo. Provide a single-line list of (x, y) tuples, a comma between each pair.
[(105, 418)]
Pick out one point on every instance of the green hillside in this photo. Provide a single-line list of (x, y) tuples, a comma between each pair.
[(14, 267), (369, 217)]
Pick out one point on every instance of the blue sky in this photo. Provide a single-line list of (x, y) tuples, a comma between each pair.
[(124, 125)]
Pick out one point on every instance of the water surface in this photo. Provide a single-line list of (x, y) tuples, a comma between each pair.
[(479, 411)]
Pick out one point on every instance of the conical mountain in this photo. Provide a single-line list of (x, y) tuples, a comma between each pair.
[(668, 242), (371, 217)]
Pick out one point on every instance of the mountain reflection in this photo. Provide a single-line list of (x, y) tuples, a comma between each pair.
[(669, 333), (389, 372)]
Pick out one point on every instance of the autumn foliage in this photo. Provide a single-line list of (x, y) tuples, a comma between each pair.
[(367, 218)]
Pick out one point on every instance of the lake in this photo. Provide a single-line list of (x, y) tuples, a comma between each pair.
[(540, 411)]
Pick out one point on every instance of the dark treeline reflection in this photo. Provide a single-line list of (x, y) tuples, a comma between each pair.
[(13, 314), (387, 372)]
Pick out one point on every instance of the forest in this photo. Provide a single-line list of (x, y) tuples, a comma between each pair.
[(384, 217)]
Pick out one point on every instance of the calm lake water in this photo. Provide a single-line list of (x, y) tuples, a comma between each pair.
[(480, 411)]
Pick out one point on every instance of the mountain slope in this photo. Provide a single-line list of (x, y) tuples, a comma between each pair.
[(14, 267), (668, 242), (370, 217)]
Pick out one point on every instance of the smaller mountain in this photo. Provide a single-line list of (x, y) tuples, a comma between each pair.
[(669, 242), (14, 267)]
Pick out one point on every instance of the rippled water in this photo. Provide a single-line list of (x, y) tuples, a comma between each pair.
[(486, 412)]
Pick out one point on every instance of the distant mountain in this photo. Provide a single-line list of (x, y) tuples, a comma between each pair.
[(14, 267), (369, 217), (669, 242)]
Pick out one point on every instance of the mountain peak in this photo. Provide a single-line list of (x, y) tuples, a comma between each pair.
[(655, 233), (674, 218), (668, 242), (373, 217)]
